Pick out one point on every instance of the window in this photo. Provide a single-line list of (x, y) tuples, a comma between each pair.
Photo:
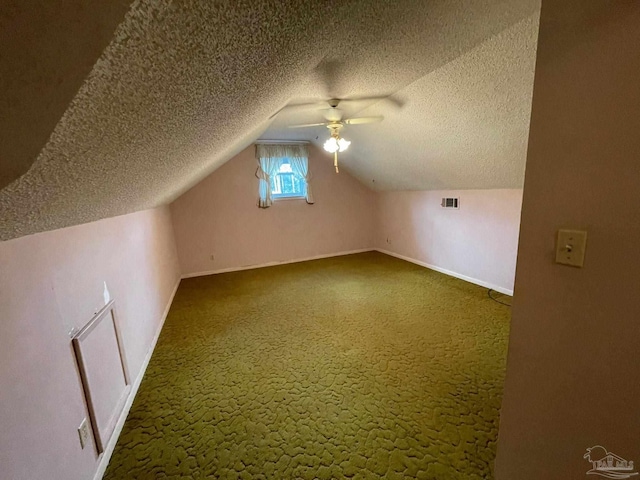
[(286, 184), (283, 172)]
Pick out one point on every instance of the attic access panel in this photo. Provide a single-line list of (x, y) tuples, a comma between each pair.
[(103, 370)]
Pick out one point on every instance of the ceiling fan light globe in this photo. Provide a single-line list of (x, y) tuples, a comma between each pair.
[(343, 144), (331, 145)]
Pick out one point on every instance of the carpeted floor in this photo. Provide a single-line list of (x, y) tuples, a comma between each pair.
[(362, 366)]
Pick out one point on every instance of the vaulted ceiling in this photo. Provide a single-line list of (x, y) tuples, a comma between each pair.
[(116, 108)]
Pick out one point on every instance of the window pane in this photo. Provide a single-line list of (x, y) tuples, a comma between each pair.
[(285, 167), (286, 184)]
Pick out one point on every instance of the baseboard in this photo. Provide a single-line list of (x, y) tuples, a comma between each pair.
[(105, 456), (482, 283), (272, 264)]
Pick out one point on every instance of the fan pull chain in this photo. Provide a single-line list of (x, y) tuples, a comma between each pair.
[(335, 161)]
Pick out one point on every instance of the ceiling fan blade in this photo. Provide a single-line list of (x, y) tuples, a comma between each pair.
[(361, 120), (310, 106), (388, 98), (308, 125)]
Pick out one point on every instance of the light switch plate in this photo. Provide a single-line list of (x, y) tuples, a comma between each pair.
[(570, 247)]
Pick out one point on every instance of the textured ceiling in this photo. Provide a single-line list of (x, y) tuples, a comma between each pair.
[(184, 85), (48, 49), (464, 125)]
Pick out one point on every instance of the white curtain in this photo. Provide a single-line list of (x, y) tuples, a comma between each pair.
[(300, 167), (267, 168), (270, 158)]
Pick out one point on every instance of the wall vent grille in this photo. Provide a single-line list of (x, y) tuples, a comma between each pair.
[(450, 202)]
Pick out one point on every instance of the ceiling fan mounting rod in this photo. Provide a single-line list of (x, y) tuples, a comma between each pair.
[(335, 127)]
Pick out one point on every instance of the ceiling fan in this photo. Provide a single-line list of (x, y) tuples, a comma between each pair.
[(335, 123)]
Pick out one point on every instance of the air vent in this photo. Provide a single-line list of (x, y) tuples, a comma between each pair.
[(450, 203)]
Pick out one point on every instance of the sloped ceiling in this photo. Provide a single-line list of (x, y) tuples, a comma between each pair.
[(48, 49), (464, 125), (183, 86)]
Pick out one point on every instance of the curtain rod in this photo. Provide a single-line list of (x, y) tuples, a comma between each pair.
[(282, 142)]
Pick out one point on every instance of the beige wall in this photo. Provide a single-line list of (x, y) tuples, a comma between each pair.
[(50, 282), (573, 368), (478, 242), (219, 217)]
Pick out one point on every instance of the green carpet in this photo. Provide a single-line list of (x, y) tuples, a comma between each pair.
[(361, 366)]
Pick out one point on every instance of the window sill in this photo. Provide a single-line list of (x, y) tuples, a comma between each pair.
[(277, 199)]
